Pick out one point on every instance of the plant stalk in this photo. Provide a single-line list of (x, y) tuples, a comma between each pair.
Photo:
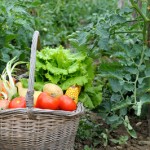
[(146, 42), (135, 6), (128, 32)]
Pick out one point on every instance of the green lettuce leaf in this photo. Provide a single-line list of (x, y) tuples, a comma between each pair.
[(81, 80), (66, 68)]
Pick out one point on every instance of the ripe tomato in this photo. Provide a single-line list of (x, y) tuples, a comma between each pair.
[(18, 102), (45, 101), (67, 103)]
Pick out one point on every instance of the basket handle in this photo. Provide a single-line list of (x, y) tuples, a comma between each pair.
[(35, 45)]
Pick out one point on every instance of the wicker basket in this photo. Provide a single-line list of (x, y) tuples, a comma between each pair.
[(38, 129)]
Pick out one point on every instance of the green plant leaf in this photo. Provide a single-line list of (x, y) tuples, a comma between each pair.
[(147, 72), (80, 80), (103, 43), (129, 86), (121, 104), (129, 128), (86, 100), (116, 87)]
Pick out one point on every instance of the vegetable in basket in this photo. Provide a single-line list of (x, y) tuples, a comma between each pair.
[(46, 101), (73, 92), (18, 102), (22, 92), (4, 104), (7, 78), (62, 67), (66, 103), (63, 102), (52, 89), (3, 101), (2, 90)]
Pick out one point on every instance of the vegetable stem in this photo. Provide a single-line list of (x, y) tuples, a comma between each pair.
[(139, 11), (137, 75), (7, 72)]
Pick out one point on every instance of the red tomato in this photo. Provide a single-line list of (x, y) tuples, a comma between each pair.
[(45, 101), (67, 103), (18, 102)]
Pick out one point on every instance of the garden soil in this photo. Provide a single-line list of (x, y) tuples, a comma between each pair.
[(142, 142)]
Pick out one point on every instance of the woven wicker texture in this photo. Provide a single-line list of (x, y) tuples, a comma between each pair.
[(38, 129)]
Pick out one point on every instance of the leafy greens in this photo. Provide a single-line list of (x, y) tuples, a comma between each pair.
[(65, 68)]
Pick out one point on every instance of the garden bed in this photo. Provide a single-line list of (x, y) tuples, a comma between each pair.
[(142, 142)]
